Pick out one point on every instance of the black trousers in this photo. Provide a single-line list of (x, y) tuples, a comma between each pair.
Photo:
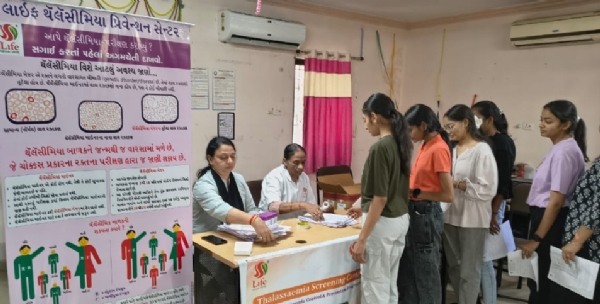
[(541, 295)]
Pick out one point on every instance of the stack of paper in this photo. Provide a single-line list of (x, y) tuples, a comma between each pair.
[(330, 220), (247, 232)]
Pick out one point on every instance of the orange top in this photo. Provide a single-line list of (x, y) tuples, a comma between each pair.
[(433, 158)]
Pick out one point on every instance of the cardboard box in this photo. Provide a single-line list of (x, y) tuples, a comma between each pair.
[(339, 188)]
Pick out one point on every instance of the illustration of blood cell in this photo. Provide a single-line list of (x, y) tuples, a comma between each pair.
[(100, 116), (30, 106), (160, 109)]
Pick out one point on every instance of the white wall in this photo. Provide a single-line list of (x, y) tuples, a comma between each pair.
[(480, 60)]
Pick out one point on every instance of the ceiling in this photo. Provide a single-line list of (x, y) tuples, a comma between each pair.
[(411, 14), (417, 10)]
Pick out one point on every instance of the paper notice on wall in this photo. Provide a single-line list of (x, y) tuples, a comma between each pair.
[(200, 89), (224, 90), (226, 125)]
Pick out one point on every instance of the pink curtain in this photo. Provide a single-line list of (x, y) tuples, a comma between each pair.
[(327, 113)]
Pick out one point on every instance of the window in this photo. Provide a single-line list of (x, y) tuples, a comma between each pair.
[(298, 121)]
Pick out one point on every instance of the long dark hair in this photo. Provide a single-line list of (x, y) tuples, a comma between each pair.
[(566, 111), (213, 145), (489, 109), (383, 106), (461, 112), (291, 149), (420, 113)]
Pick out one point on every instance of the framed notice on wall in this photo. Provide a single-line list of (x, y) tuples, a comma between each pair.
[(226, 124)]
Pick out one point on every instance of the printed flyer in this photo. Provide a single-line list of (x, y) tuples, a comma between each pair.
[(96, 152)]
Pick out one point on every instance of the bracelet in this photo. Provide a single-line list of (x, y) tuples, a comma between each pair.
[(252, 219), (494, 212)]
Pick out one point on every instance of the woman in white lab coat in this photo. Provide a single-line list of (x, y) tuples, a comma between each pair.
[(286, 189)]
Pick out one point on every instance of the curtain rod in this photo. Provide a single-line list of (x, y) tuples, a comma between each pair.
[(329, 55)]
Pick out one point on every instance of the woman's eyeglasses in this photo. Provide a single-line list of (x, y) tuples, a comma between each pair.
[(449, 126)]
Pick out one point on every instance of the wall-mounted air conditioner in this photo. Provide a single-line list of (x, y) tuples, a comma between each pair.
[(563, 30), (248, 29)]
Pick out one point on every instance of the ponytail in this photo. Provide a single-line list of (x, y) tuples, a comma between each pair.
[(501, 124), (402, 135), (202, 171), (446, 137), (580, 135)]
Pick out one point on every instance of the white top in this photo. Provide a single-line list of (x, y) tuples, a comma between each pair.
[(278, 186), (472, 208)]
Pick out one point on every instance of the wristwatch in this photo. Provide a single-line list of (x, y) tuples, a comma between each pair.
[(537, 238), (416, 193)]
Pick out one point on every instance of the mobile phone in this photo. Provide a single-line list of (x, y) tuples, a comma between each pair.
[(215, 240)]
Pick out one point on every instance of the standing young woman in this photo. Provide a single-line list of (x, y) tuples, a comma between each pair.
[(384, 196), (495, 126), (419, 280), (581, 238), (552, 188), (467, 220)]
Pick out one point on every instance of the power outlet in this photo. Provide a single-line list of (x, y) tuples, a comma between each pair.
[(527, 126)]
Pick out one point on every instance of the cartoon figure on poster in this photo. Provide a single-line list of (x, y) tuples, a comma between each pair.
[(23, 266), (162, 260), (53, 261), (154, 276), (177, 250), (55, 293), (144, 264), (129, 252), (153, 244), (43, 282), (65, 276), (85, 266)]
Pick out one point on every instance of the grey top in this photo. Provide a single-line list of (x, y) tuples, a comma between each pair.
[(210, 210)]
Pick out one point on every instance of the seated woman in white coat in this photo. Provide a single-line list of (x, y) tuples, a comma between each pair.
[(286, 189)]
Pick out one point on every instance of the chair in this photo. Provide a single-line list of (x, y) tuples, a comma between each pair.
[(333, 170), (521, 225), (519, 207), (255, 190)]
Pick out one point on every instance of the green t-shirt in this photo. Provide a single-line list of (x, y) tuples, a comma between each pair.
[(382, 177)]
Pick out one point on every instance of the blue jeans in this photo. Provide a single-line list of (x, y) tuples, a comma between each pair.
[(489, 286), (419, 280)]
